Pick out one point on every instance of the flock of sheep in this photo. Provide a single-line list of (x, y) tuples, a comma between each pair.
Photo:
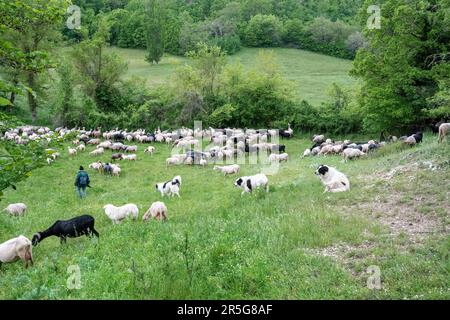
[(225, 144)]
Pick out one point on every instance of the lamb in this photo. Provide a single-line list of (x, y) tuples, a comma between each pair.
[(15, 249), (226, 170), (73, 228), (117, 214), (278, 157), (16, 209), (248, 184), (150, 150), (351, 153), (157, 211), (444, 130), (72, 152), (97, 152)]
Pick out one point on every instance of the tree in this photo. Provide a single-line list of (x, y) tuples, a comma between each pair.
[(154, 31), (31, 31), (263, 31), (399, 65)]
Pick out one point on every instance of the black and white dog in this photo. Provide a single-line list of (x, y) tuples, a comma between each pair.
[(333, 180), (248, 184), (170, 188)]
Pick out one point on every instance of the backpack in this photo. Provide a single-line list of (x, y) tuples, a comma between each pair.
[(83, 180)]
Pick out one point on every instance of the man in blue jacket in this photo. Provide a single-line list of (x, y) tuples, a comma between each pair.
[(81, 182)]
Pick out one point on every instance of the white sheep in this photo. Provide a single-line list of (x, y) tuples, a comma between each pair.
[(203, 162), (81, 147), (72, 151), (157, 211), (172, 161), (278, 157), (130, 157), (15, 249), (16, 209), (351, 153), (306, 153), (117, 214), (97, 152), (226, 170), (115, 170), (150, 150)]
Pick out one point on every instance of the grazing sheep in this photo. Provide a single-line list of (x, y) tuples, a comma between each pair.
[(130, 157), (97, 152), (94, 141), (72, 152), (226, 170), (117, 214), (203, 162), (150, 150), (157, 211), (410, 141), (248, 184), (81, 147), (16, 209), (276, 158), (173, 161), (333, 180), (306, 153), (131, 149), (351, 153), (318, 138), (96, 166), (116, 156), (115, 170), (15, 249), (73, 228), (444, 130)]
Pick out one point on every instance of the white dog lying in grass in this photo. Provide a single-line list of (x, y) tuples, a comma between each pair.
[(333, 180)]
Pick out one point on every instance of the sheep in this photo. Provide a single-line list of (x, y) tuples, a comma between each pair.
[(93, 141), (150, 150), (115, 170), (73, 228), (96, 166), (117, 214), (278, 157), (131, 149), (203, 162), (444, 130), (81, 147), (16, 209), (97, 152), (318, 138), (327, 149), (131, 157), (351, 153), (72, 152), (117, 156), (172, 161), (158, 211), (15, 249), (227, 170), (306, 153), (410, 141)]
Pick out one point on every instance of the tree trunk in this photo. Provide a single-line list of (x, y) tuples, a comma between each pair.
[(31, 98)]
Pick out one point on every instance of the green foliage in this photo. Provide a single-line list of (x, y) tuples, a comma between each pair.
[(263, 31), (154, 30), (399, 65)]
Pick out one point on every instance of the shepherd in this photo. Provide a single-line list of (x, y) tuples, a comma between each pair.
[(81, 182)]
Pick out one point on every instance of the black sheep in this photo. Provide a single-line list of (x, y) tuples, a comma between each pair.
[(73, 228), (278, 148), (418, 136)]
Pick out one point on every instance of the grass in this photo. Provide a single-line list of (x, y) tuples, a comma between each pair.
[(312, 73), (219, 245)]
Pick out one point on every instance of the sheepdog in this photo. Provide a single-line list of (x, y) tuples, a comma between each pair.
[(248, 184), (333, 180), (170, 188)]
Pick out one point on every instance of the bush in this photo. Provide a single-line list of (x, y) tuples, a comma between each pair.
[(263, 31)]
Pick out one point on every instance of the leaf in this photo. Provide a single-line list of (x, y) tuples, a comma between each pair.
[(5, 102)]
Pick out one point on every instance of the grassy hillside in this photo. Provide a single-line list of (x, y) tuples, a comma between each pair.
[(312, 73), (293, 243)]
